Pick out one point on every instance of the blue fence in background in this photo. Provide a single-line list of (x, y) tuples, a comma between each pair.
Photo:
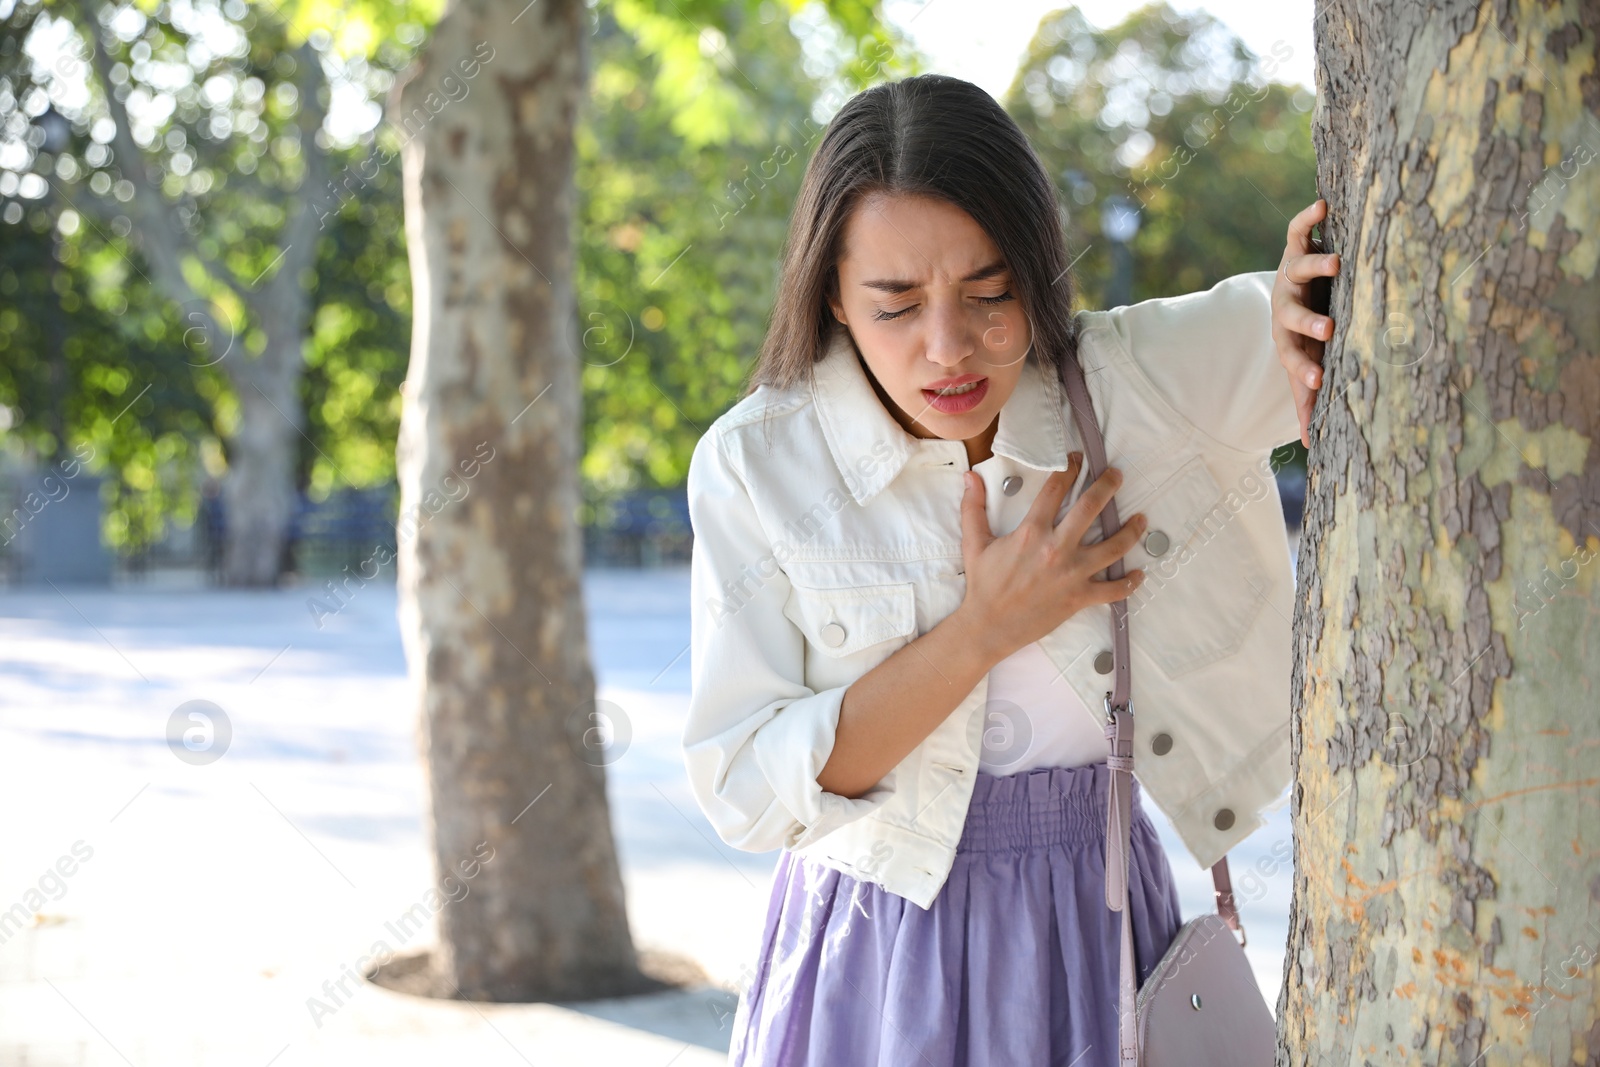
[(641, 529)]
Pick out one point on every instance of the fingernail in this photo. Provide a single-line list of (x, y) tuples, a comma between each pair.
[(1311, 378)]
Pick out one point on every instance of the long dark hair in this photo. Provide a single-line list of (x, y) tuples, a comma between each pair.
[(931, 135)]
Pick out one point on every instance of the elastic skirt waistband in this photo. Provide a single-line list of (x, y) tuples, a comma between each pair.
[(1039, 808)]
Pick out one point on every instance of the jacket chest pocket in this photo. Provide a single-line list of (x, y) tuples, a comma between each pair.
[(1200, 596), (851, 630)]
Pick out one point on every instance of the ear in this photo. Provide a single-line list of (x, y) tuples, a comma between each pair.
[(837, 309)]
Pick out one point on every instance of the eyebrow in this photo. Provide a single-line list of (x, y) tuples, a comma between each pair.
[(896, 285)]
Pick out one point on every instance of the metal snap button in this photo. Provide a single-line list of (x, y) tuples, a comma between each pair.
[(833, 635), (1161, 744), (1156, 542), (1010, 486), (1103, 663), (1224, 819)]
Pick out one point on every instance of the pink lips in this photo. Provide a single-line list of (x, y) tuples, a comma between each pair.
[(962, 402)]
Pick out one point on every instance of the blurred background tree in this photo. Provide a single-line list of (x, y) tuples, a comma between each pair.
[(181, 154), (1174, 113)]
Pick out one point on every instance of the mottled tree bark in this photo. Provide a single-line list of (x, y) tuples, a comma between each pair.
[(1447, 794), (490, 557)]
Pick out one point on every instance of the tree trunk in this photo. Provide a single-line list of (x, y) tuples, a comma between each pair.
[(1447, 877), (490, 556), (259, 486)]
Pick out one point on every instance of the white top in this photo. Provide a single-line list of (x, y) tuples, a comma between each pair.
[(1032, 717)]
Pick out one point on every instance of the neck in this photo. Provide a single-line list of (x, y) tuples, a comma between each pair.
[(978, 448)]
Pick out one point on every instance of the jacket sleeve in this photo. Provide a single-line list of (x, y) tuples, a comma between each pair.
[(1211, 355), (756, 736)]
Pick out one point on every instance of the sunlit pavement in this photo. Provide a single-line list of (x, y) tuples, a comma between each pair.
[(219, 907)]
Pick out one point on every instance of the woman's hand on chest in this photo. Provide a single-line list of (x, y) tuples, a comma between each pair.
[(1023, 585)]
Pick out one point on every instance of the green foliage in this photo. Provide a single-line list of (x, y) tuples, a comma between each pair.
[(1175, 113), (84, 354), (683, 216), (360, 339), (222, 144)]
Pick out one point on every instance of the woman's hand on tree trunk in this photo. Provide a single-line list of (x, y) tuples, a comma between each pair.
[(1298, 331)]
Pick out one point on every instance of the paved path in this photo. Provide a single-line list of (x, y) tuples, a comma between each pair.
[(206, 905)]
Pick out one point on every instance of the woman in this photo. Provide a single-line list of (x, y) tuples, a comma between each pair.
[(901, 639)]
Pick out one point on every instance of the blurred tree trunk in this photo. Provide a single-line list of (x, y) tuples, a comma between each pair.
[(259, 488), (492, 605), (1447, 801)]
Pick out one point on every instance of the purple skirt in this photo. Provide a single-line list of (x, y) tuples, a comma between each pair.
[(1015, 962)]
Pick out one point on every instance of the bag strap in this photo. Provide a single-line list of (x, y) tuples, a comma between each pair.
[(1119, 732)]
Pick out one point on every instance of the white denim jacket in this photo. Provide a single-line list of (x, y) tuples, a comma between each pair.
[(826, 537)]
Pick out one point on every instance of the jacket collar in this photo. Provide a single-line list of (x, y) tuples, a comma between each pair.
[(870, 447)]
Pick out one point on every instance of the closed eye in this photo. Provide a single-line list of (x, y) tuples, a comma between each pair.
[(884, 316)]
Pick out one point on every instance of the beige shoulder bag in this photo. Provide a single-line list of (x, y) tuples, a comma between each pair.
[(1201, 1006)]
